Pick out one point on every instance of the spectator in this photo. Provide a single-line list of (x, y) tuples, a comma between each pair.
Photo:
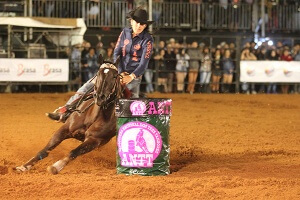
[(149, 75), (109, 54), (285, 57), (216, 72), (161, 45), (156, 10), (205, 70), (91, 67), (262, 55), (247, 55), (85, 51), (100, 50), (75, 62), (181, 69), (94, 9), (162, 74), (194, 54), (228, 69), (170, 63), (272, 87)]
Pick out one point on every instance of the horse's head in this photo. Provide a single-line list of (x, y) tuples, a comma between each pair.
[(107, 87)]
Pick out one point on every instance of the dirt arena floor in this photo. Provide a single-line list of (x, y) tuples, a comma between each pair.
[(222, 147)]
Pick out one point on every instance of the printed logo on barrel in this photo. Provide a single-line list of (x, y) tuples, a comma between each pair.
[(139, 144)]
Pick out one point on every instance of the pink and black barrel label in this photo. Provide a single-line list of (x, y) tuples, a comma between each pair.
[(143, 107)]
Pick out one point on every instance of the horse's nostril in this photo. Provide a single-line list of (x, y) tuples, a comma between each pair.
[(102, 97)]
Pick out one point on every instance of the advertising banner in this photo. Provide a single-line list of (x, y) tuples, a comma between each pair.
[(143, 136), (34, 70), (270, 71)]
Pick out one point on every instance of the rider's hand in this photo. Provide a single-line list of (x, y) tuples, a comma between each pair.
[(127, 79)]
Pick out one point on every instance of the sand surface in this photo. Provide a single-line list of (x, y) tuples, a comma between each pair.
[(222, 147)]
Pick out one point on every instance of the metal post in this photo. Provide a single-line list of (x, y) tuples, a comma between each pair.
[(150, 15), (83, 9), (263, 34), (237, 61), (198, 17), (25, 8), (9, 40)]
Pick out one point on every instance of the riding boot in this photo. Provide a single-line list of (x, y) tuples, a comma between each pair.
[(60, 115)]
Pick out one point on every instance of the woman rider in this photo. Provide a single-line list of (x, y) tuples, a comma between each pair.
[(134, 47)]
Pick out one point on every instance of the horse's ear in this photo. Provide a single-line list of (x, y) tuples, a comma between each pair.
[(100, 59), (117, 61)]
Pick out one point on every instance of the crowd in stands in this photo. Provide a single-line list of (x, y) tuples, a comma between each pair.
[(188, 68)]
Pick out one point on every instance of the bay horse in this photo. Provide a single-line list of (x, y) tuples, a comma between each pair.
[(94, 127)]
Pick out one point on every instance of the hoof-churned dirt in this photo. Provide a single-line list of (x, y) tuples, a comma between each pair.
[(222, 147)]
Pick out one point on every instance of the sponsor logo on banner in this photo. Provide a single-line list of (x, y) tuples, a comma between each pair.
[(251, 71), (139, 144), (287, 72), (4, 70), (51, 70), (22, 70), (269, 71)]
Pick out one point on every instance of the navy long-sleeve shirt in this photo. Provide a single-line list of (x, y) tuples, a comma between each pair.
[(134, 53)]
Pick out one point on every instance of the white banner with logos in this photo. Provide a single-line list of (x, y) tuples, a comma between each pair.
[(34, 70), (270, 71)]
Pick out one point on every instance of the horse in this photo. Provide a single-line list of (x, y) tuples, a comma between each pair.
[(94, 128)]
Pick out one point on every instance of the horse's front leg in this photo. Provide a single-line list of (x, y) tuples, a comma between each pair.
[(88, 145), (60, 135)]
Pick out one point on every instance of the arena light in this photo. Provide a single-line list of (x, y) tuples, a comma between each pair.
[(259, 43), (270, 42)]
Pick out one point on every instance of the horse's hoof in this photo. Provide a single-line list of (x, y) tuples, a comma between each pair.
[(52, 170)]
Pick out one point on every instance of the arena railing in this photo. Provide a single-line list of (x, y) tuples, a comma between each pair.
[(171, 15), (166, 15)]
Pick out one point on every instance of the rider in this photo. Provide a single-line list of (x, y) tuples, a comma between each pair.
[(134, 47)]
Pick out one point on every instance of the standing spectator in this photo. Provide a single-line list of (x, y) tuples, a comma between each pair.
[(216, 72), (94, 9), (285, 57), (170, 62), (162, 74), (272, 87), (75, 62), (100, 50), (85, 51), (262, 55), (92, 65), (228, 69), (247, 55), (157, 9), (194, 54), (149, 75), (205, 70), (109, 54), (181, 69), (161, 45)]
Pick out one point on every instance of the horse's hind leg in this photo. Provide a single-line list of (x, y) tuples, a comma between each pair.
[(88, 145), (56, 139)]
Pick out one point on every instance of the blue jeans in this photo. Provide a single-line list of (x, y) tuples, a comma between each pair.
[(83, 89), (148, 78), (205, 77), (134, 87)]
